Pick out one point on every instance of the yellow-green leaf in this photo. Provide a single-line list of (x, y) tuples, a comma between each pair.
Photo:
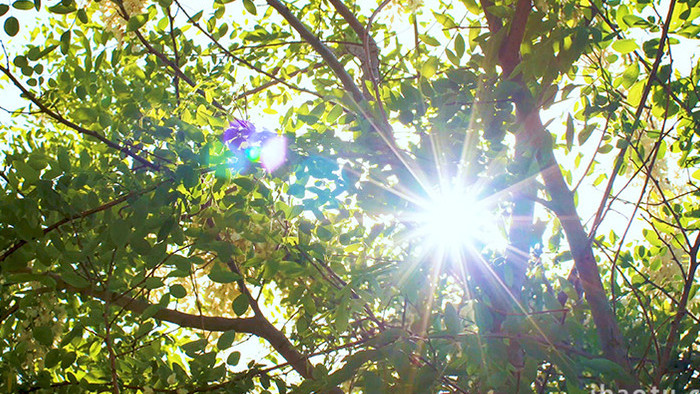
[(250, 6), (625, 46)]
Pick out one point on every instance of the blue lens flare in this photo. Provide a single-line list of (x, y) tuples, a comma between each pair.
[(255, 146)]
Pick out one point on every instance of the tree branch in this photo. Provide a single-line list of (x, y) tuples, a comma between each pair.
[(81, 215), (538, 139), (638, 113), (682, 305), (243, 61), (327, 55), (59, 118), (495, 24), (510, 50), (256, 325), (611, 340)]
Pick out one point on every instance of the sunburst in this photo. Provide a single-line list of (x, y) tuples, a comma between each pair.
[(454, 220)]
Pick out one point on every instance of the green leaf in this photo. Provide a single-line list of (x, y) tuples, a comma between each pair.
[(11, 26), (585, 133), (136, 21), (609, 368), (3, 9), (429, 40), (452, 57), (23, 5), (53, 357), (75, 280), (120, 232), (188, 175), (46, 51), (630, 76), (472, 6), (342, 317), (240, 304), (62, 9), (605, 148), (429, 67), (178, 291), (153, 283), (233, 358), (194, 347), (196, 17), (245, 183), (43, 335), (324, 234), (223, 276), (82, 16), (68, 359), (452, 321), (151, 311), (226, 340), (459, 45), (625, 46), (65, 42), (250, 6), (569, 132), (26, 171)]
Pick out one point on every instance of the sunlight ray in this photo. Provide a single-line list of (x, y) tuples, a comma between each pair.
[(469, 144), (518, 304), (435, 149), (419, 177), (405, 195)]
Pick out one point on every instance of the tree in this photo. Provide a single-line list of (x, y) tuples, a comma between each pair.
[(408, 224)]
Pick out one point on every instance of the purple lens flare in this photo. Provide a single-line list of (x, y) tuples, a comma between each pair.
[(256, 146)]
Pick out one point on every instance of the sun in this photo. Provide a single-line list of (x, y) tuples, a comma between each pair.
[(455, 220)]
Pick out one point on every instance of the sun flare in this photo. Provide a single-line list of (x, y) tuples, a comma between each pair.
[(455, 220)]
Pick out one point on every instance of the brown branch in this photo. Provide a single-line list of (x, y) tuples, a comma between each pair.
[(243, 61), (256, 325), (7, 313), (509, 54), (682, 305), (176, 69), (81, 215), (274, 82), (518, 253), (176, 79), (327, 55), (185, 320), (161, 56), (637, 116), (349, 17), (380, 124), (371, 50), (59, 118), (611, 339), (636, 293), (494, 23)]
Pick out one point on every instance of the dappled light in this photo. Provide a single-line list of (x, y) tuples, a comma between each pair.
[(330, 196)]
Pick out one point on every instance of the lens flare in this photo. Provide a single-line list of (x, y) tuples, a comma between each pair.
[(250, 145), (455, 220), (253, 153), (273, 153)]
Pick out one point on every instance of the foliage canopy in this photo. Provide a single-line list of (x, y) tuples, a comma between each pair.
[(152, 232)]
